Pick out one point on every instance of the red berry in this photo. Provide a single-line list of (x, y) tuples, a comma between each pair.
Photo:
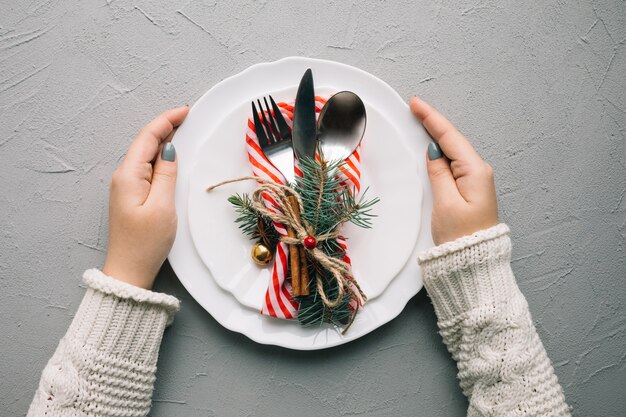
[(310, 242)]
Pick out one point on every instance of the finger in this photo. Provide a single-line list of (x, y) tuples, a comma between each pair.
[(452, 142), (440, 175), (167, 139), (474, 181), (164, 177), (147, 143)]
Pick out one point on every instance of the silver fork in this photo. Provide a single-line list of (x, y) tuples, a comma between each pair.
[(274, 137)]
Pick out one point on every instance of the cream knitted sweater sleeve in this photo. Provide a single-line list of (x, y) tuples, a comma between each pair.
[(485, 323), (105, 364)]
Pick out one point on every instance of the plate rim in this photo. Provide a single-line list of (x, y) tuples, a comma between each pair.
[(423, 240)]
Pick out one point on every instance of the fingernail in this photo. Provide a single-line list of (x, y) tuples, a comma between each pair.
[(168, 153), (434, 151)]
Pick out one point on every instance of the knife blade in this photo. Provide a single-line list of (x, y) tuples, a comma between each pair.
[(304, 132)]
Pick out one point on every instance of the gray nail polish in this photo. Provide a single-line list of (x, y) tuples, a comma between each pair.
[(169, 152), (434, 151)]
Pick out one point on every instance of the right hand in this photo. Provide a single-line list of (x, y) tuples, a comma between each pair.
[(463, 187)]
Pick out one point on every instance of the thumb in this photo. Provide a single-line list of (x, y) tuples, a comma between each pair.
[(440, 175), (164, 176)]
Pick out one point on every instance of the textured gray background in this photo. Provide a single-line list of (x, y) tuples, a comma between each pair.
[(540, 89)]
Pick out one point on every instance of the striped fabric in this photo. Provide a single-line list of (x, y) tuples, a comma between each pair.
[(278, 301)]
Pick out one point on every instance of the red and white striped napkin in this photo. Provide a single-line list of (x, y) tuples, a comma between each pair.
[(278, 301)]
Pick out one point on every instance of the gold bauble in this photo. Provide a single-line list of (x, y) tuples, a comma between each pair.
[(261, 255)]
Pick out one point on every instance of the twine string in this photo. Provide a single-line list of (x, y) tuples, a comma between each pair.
[(339, 269)]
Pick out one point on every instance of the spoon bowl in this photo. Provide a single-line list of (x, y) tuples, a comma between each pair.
[(341, 125)]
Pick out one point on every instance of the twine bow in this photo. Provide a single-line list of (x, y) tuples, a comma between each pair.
[(280, 193)]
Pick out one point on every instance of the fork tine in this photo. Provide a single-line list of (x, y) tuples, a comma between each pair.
[(270, 135), (258, 126), (280, 120), (272, 121), (274, 145)]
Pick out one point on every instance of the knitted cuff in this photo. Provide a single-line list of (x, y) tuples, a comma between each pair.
[(470, 272), (119, 319)]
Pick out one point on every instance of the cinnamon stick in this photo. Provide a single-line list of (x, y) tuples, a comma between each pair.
[(304, 270), (294, 256), (297, 255)]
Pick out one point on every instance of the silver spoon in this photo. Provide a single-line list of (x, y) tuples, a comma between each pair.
[(341, 125)]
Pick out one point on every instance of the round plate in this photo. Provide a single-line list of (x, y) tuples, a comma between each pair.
[(377, 254), (205, 116)]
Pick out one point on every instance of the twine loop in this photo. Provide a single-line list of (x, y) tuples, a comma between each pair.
[(280, 193)]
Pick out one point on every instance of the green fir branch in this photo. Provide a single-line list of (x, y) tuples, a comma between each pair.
[(313, 311), (249, 219), (328, 204)]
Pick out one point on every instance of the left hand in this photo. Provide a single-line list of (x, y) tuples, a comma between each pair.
[(142, 215)]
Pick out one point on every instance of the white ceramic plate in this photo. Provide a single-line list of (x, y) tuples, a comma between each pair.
[(377, 254), (206, 114)]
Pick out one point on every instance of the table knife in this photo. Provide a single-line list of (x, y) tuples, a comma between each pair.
[(304, 133)]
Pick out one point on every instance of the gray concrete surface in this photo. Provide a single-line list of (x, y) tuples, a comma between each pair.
[(539, 87)]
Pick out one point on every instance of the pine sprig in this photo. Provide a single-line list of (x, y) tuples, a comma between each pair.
[(252, 223), (313, 312), (327, 205), (357, 212)]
